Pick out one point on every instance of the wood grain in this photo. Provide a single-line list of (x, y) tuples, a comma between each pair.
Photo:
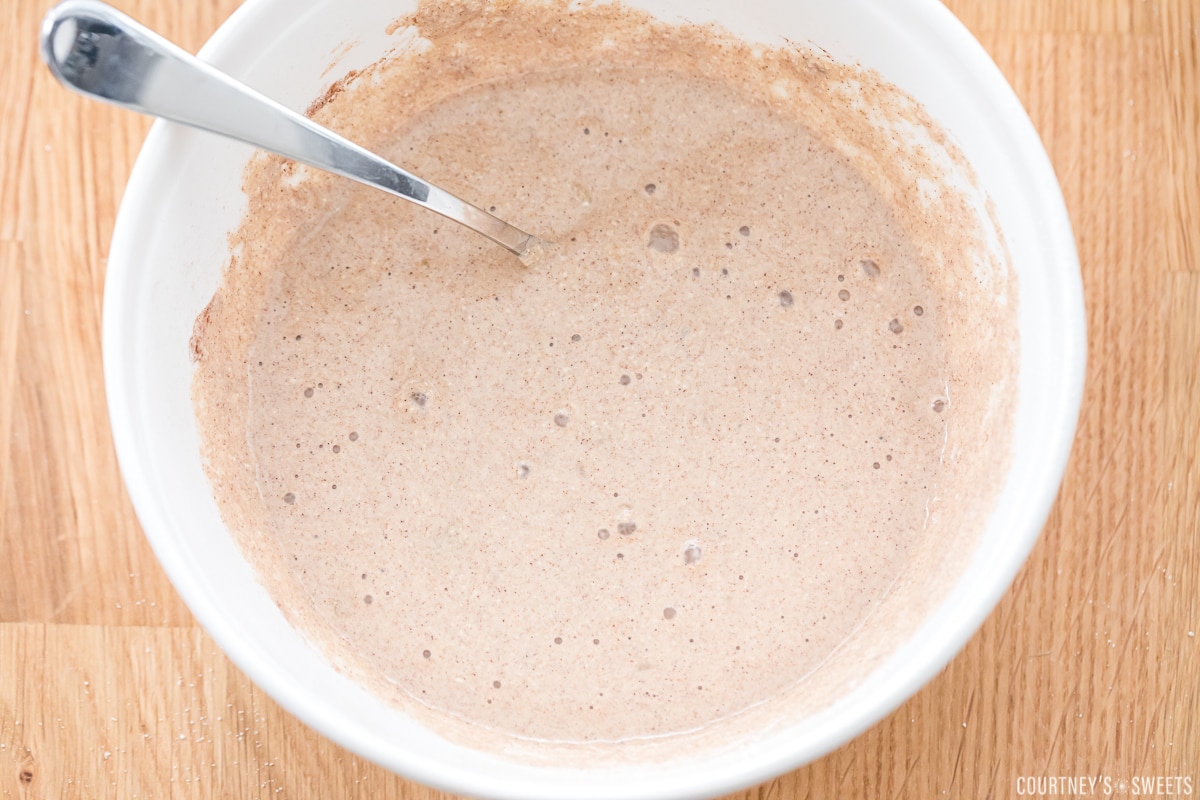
[(1089, 666)]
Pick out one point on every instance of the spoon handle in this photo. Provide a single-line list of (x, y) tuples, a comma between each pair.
[(99, 52)]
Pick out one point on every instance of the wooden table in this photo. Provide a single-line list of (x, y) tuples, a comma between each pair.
[(1090, 665)]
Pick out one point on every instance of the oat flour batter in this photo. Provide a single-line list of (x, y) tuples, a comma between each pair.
[(647, 483)]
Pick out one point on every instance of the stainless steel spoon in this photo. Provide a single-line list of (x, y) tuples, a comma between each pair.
[(97, 51)]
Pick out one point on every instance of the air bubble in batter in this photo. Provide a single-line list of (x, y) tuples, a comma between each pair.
[(663, 238)]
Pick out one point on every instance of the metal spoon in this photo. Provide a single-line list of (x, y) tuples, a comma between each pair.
[(97, 51)]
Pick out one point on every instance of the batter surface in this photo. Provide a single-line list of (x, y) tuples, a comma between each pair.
[(646, 483)]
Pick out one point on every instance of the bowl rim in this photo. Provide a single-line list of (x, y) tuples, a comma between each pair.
[(961, 623)]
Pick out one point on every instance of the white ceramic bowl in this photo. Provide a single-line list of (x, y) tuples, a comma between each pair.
[(170, 245)]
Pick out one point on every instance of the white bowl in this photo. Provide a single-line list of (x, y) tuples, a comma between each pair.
[(165, 264)]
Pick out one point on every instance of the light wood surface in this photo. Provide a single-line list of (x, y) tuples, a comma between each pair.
[(1089, 666)]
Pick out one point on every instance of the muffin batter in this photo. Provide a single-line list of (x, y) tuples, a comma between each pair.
[(644, 484)]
